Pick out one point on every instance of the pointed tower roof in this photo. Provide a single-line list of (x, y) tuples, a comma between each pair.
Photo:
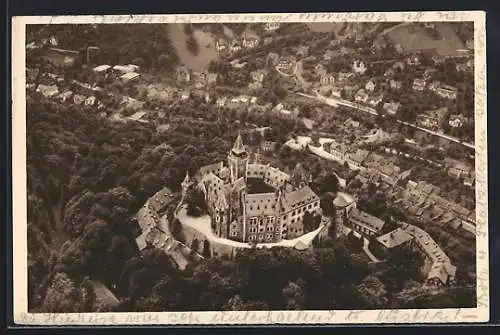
[(186, 179), (238, 147)]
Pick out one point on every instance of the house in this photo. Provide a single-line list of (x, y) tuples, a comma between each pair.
[(90, 101), (375, 100), (267, 146), (253, 100), (399, 65), (431, 119), (129, 76), (47, 90), (391, 107), (469, 44), (395, 84), (389, 73), (428, 73), (413, 60), (221, 102), (101, 68), (469, 180), (271, 26), (320, 70), (327, 80), (357, 158), (343, 76), (370, 86), (272, 58), (235, 46), (105, 300), (286, 63), (79, 99), (61, 57), (250, 42), (447, 91), (336, 91), (328, 55), (461, 67), (359, 67), (361, 96), (267, 40), (258, 75), (365, 223), (418, 84), (221, 45)]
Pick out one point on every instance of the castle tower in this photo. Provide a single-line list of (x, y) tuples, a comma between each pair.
[(238, 160)]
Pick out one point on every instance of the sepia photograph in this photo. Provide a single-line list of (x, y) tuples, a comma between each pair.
[(282, 165)]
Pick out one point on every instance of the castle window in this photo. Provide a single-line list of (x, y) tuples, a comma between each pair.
[(261, 237), (269, 236), (261, 229), (233, 233)]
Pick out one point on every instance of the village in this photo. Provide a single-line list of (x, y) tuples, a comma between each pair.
[(389, 118)]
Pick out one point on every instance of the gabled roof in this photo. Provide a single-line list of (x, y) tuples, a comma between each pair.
[(238, 147)]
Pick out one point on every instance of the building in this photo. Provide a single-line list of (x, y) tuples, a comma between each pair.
[(183, 74), (413, 60), (375, 100), (327, 80), (239, 214), (267, 146), (447, 91), (357, 158), (102, 68), (418, 84), (47, 90), (130, 76), (395, 84), (361, 96), (250, 42), (431, 119), (456, 121), (364, 223), (258, 75)]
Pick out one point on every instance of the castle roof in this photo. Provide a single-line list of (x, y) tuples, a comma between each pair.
[(368, 221)]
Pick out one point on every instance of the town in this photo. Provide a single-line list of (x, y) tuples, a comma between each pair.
[(339, 132)]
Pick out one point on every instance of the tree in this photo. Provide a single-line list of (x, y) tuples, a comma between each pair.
[(206, 249), (372, 293)]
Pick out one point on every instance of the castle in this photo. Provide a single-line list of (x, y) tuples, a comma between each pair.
[(240, 214)]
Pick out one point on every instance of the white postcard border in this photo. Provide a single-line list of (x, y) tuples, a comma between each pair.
[(19, 201)]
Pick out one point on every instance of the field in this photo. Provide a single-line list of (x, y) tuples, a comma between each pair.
[(415, 37)]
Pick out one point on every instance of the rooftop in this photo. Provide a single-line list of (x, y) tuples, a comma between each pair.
[(394, 238), (369, 221)]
